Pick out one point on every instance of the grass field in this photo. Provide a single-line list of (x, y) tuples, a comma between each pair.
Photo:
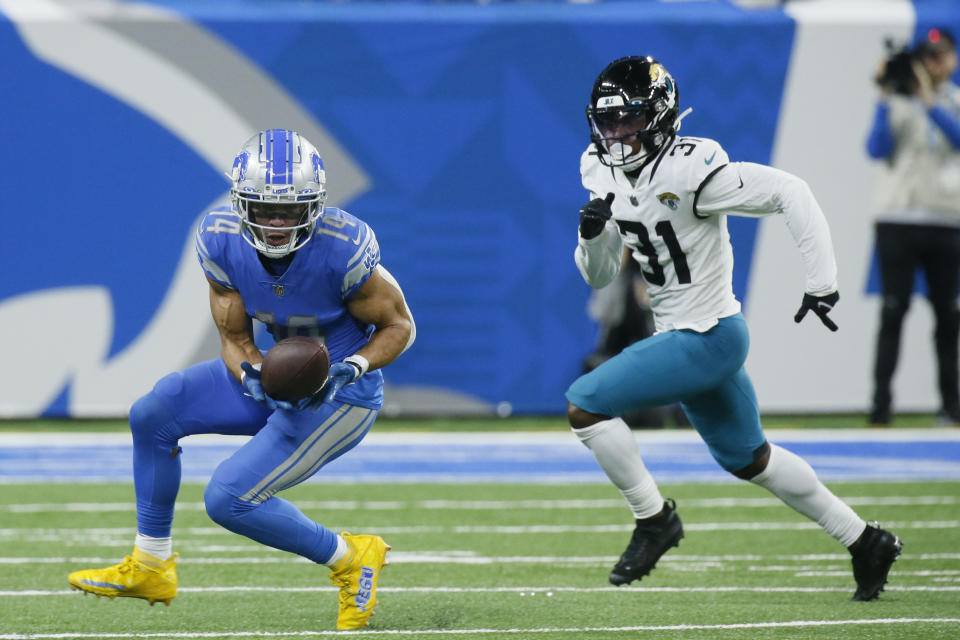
[(514, 423), (521, 562)]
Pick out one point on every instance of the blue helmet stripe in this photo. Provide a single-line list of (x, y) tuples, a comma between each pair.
[(290, 150), (279, 160)]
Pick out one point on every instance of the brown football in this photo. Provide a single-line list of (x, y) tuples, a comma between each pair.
[(294, 368)]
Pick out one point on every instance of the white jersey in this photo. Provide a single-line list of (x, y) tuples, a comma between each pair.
[(673, 221)]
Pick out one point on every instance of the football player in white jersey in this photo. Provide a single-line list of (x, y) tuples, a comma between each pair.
[(665, 198)]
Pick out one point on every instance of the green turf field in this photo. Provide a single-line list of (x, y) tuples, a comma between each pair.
[(521, 562), (513, 423)]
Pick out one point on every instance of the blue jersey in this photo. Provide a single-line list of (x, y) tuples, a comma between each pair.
[(310, 297)]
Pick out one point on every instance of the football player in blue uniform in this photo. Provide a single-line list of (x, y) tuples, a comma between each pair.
[(280, 256), (664, 199)]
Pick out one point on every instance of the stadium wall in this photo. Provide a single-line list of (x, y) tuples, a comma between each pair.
[(455, 131)]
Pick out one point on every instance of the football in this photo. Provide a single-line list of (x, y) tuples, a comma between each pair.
[(294, 368)]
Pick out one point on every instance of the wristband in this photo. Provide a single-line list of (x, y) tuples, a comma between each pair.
[(243, 374), (361, 363)]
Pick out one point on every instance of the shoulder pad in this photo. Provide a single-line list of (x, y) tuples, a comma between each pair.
[(693, 159), (213, 234)]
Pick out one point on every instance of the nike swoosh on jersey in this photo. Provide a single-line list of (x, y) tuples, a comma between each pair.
[(710, 159), (741, 182)]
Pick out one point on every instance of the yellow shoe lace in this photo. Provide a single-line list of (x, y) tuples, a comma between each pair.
[(131, 564), (128, 565)]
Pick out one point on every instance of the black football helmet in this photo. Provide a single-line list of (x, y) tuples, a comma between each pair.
[(633, 111)]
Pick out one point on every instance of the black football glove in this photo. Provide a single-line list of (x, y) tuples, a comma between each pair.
[(820, 305), (594, 216)]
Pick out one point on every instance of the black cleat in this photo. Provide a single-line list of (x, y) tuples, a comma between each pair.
[(651, 539), (872, 558)]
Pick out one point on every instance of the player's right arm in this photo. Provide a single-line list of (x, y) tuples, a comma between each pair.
[(599, 250), (599, 244), (235, 328)]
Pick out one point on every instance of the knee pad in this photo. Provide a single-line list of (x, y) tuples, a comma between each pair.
[(739, 459), (222, 506), (148, 415), (151, 415)]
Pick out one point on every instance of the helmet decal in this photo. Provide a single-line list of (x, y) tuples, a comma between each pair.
[(239, 170), (656, 72), (609, 101), (318, 172)]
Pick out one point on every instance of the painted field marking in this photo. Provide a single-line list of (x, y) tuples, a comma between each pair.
[(93, 534), (453, 632), (469, 505), (523, 591), (468, 557)]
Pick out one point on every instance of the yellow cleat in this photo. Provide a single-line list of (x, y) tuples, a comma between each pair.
[(140, 575), (356, 574)]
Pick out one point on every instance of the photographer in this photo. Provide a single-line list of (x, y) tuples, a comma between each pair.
[(916, 130)]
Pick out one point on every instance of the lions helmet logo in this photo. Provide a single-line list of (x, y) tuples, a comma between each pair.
[(669, 199)]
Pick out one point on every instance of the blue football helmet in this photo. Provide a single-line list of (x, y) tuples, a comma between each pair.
[(278, 191)]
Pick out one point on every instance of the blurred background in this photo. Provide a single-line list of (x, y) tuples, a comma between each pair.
[(455, 130)]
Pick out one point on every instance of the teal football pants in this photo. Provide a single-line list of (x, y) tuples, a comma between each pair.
[(702, 371)]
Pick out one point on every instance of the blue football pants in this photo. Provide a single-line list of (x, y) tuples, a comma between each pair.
[(702, 371), (287, 447)]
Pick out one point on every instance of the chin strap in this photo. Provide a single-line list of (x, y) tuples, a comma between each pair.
[(686, 112)]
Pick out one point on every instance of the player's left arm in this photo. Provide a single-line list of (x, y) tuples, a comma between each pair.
[(380, 302), (754, 190)]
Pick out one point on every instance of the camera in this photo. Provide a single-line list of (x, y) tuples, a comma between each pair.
[(897, 74)]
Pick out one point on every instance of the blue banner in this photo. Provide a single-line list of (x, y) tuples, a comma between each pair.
[(455, 132)]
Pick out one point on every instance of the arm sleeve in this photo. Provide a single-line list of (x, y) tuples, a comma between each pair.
[(599, 259), (881, 141), (948, 123), (754, 190)]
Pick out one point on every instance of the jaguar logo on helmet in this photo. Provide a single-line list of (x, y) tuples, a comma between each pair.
[(656, 72)]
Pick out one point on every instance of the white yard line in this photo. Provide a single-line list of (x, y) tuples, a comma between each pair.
[(461, 557), (667, 436), (469, 505), (521, 591), (452, 632), (100, 535)]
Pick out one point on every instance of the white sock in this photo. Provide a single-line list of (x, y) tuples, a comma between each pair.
[(615, 449), (157, 547), (790, 478), (339, 552)]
